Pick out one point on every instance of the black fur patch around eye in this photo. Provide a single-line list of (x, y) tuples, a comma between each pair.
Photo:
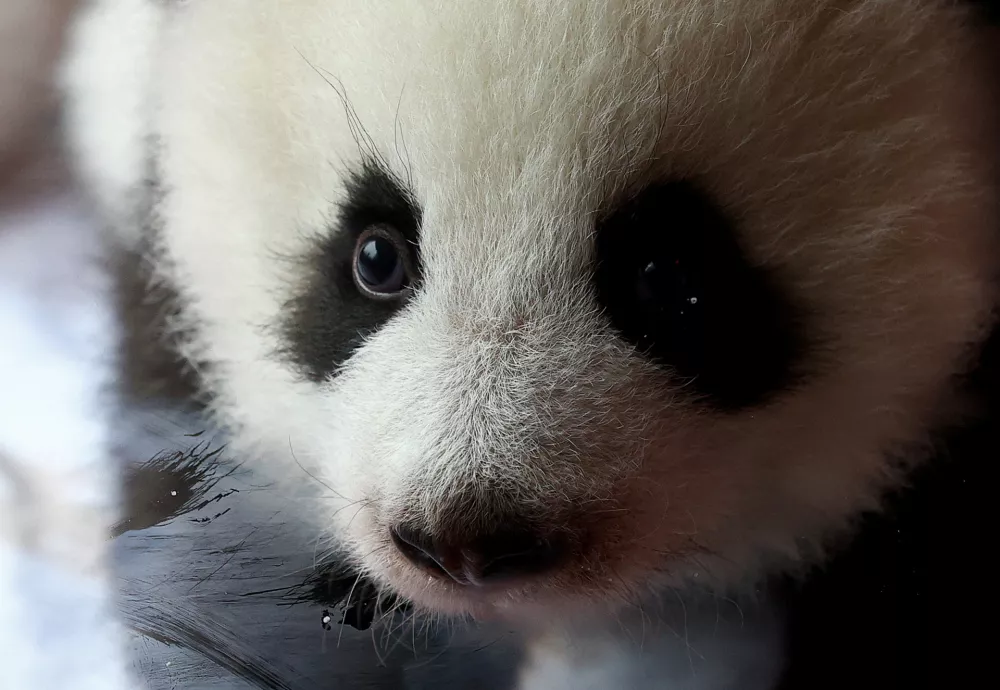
[(331, 318), (674, 281)]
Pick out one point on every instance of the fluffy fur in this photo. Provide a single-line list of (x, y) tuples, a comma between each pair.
[(833, 130)]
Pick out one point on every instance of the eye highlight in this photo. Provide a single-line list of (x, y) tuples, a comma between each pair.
[(673, 280), (381, 263)]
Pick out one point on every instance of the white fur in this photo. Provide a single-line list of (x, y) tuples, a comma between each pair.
[(833, 129), (113, 82)]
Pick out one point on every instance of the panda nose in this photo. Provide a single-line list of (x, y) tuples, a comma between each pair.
[(487, 559)]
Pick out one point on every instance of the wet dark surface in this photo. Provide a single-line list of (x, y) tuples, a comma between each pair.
[(223, 587)]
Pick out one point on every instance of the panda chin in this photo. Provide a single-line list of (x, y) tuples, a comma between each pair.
[(525, 604), (438, 598), (515, 602)]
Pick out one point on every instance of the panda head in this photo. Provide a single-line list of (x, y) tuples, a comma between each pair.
[(565, 301)]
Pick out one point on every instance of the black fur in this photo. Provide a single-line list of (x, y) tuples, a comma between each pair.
[(705, 311), (907, 603)]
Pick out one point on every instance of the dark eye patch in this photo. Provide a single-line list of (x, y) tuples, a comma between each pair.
[(331, 317), (674, 281)]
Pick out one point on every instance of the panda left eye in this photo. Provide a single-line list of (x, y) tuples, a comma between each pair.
[(668, 296), (650, 278), (380, 263)]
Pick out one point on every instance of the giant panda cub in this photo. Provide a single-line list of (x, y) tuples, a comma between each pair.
[(584, 313)]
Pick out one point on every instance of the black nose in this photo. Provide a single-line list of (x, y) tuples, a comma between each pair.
[(486, 559)]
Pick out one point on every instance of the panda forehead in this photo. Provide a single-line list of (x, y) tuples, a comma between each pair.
[(499, 237), (514, 192), (519, 123), (515, 135), (506, 208), (483, 246)]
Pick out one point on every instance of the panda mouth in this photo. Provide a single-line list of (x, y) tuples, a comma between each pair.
[(368, 603), (520, 556), (359, 602), (351, 598)]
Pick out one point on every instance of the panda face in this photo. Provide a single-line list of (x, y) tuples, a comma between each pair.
[(565, 301)]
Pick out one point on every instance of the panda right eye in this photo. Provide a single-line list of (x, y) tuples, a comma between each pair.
[(381, 263)]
